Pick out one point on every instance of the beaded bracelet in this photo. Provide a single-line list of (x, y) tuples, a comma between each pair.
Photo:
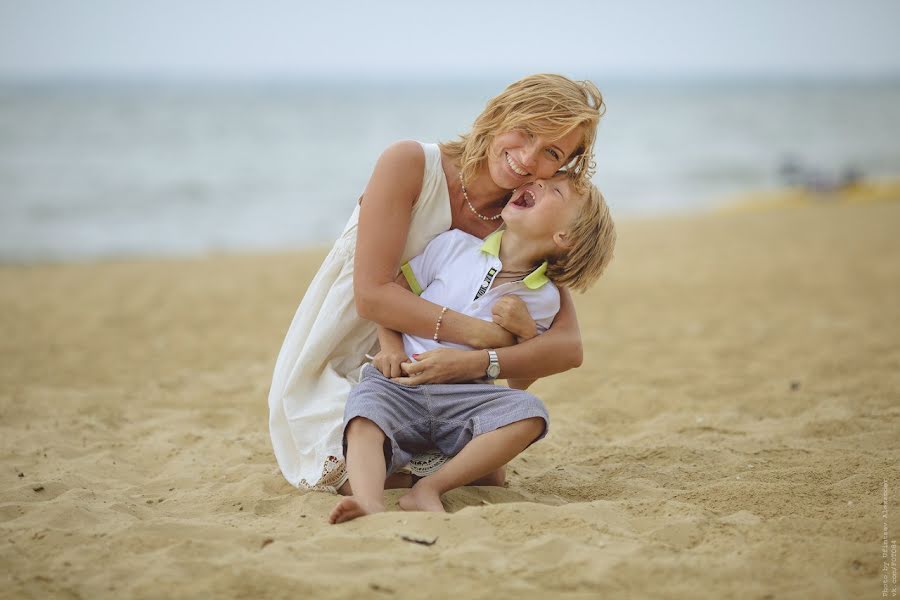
[(437, 326)]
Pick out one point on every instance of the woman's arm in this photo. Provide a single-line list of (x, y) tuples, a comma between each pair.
[(556, 350), (384, 218)]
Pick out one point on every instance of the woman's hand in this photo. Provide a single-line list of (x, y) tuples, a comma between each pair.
[(445, 365), (511, 313), (388, 362)]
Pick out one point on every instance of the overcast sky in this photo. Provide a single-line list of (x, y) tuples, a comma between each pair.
[(400, 39)]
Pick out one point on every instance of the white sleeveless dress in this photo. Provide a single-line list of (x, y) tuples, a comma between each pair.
[(326, 345)]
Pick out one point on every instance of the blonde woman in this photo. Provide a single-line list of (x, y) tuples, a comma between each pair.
[(537, 126)]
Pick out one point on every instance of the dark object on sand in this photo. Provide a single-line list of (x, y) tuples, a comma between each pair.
[(416, 541)]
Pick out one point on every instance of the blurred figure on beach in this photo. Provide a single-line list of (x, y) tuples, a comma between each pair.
[(793, 173)]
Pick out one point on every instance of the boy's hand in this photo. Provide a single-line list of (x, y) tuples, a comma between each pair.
[(389, 363), (511, 313)]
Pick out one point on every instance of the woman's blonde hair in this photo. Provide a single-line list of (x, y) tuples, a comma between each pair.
[(545, 104), (592, 238)]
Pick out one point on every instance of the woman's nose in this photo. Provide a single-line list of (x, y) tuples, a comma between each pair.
[(529, 158)]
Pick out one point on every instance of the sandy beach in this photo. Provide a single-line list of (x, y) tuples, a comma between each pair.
[(732, 433)]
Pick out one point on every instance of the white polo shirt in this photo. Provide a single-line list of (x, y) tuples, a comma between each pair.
[(456, 270)]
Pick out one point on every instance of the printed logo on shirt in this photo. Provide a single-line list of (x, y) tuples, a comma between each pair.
[(488, 279)]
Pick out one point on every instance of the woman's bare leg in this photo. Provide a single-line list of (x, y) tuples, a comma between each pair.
[(481, 456), (365, 464)]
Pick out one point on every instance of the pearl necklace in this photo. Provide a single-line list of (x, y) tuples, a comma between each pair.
[(472, 208)]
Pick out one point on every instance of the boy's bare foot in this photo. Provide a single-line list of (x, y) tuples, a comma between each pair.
[(350, 508), (422, 497)]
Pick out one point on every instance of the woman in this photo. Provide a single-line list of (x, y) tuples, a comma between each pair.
[(535, 127)]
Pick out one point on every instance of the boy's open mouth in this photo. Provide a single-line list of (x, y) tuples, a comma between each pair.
[(525, 199)]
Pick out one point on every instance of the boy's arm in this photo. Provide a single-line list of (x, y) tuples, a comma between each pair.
[(390, 340), (510, 312), (392, 351), (544, 312), (556, 350), (384, 218)]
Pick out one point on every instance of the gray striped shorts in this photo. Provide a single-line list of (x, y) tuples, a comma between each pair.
[(443, 417)]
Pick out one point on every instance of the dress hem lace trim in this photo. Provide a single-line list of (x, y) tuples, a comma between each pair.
[(334, 473)]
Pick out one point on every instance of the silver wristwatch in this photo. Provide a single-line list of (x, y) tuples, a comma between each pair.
[(493, 369)]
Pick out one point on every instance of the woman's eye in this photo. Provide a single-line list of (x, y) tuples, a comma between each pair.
[(553, 153)]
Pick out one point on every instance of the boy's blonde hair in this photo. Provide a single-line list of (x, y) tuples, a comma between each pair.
[(592, 235), (546, 104)]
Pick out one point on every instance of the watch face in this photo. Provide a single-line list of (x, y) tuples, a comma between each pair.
[(493, 371)]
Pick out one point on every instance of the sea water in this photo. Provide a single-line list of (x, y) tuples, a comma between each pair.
[(105, 170)]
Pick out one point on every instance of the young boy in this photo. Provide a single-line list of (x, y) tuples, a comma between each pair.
[(552, 234)]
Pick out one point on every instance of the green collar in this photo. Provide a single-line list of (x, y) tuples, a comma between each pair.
[(491, 243), (533, 280)]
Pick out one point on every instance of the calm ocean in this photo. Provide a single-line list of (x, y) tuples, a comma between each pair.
[(110, 170)]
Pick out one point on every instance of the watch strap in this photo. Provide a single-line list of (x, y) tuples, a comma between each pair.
[(493, 369)]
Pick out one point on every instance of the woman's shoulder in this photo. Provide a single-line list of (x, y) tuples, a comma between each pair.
[(409, 153), (399, 172), (413, 153), (407, 161)]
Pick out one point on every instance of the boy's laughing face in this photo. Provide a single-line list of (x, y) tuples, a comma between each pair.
[(542, 209)]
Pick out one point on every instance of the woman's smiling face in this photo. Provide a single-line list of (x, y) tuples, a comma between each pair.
[(518, 156)]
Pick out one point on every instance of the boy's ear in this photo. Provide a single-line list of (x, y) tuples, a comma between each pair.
[(562, 241)]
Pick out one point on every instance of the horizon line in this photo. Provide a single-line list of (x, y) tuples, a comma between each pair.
[(304, 79)]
